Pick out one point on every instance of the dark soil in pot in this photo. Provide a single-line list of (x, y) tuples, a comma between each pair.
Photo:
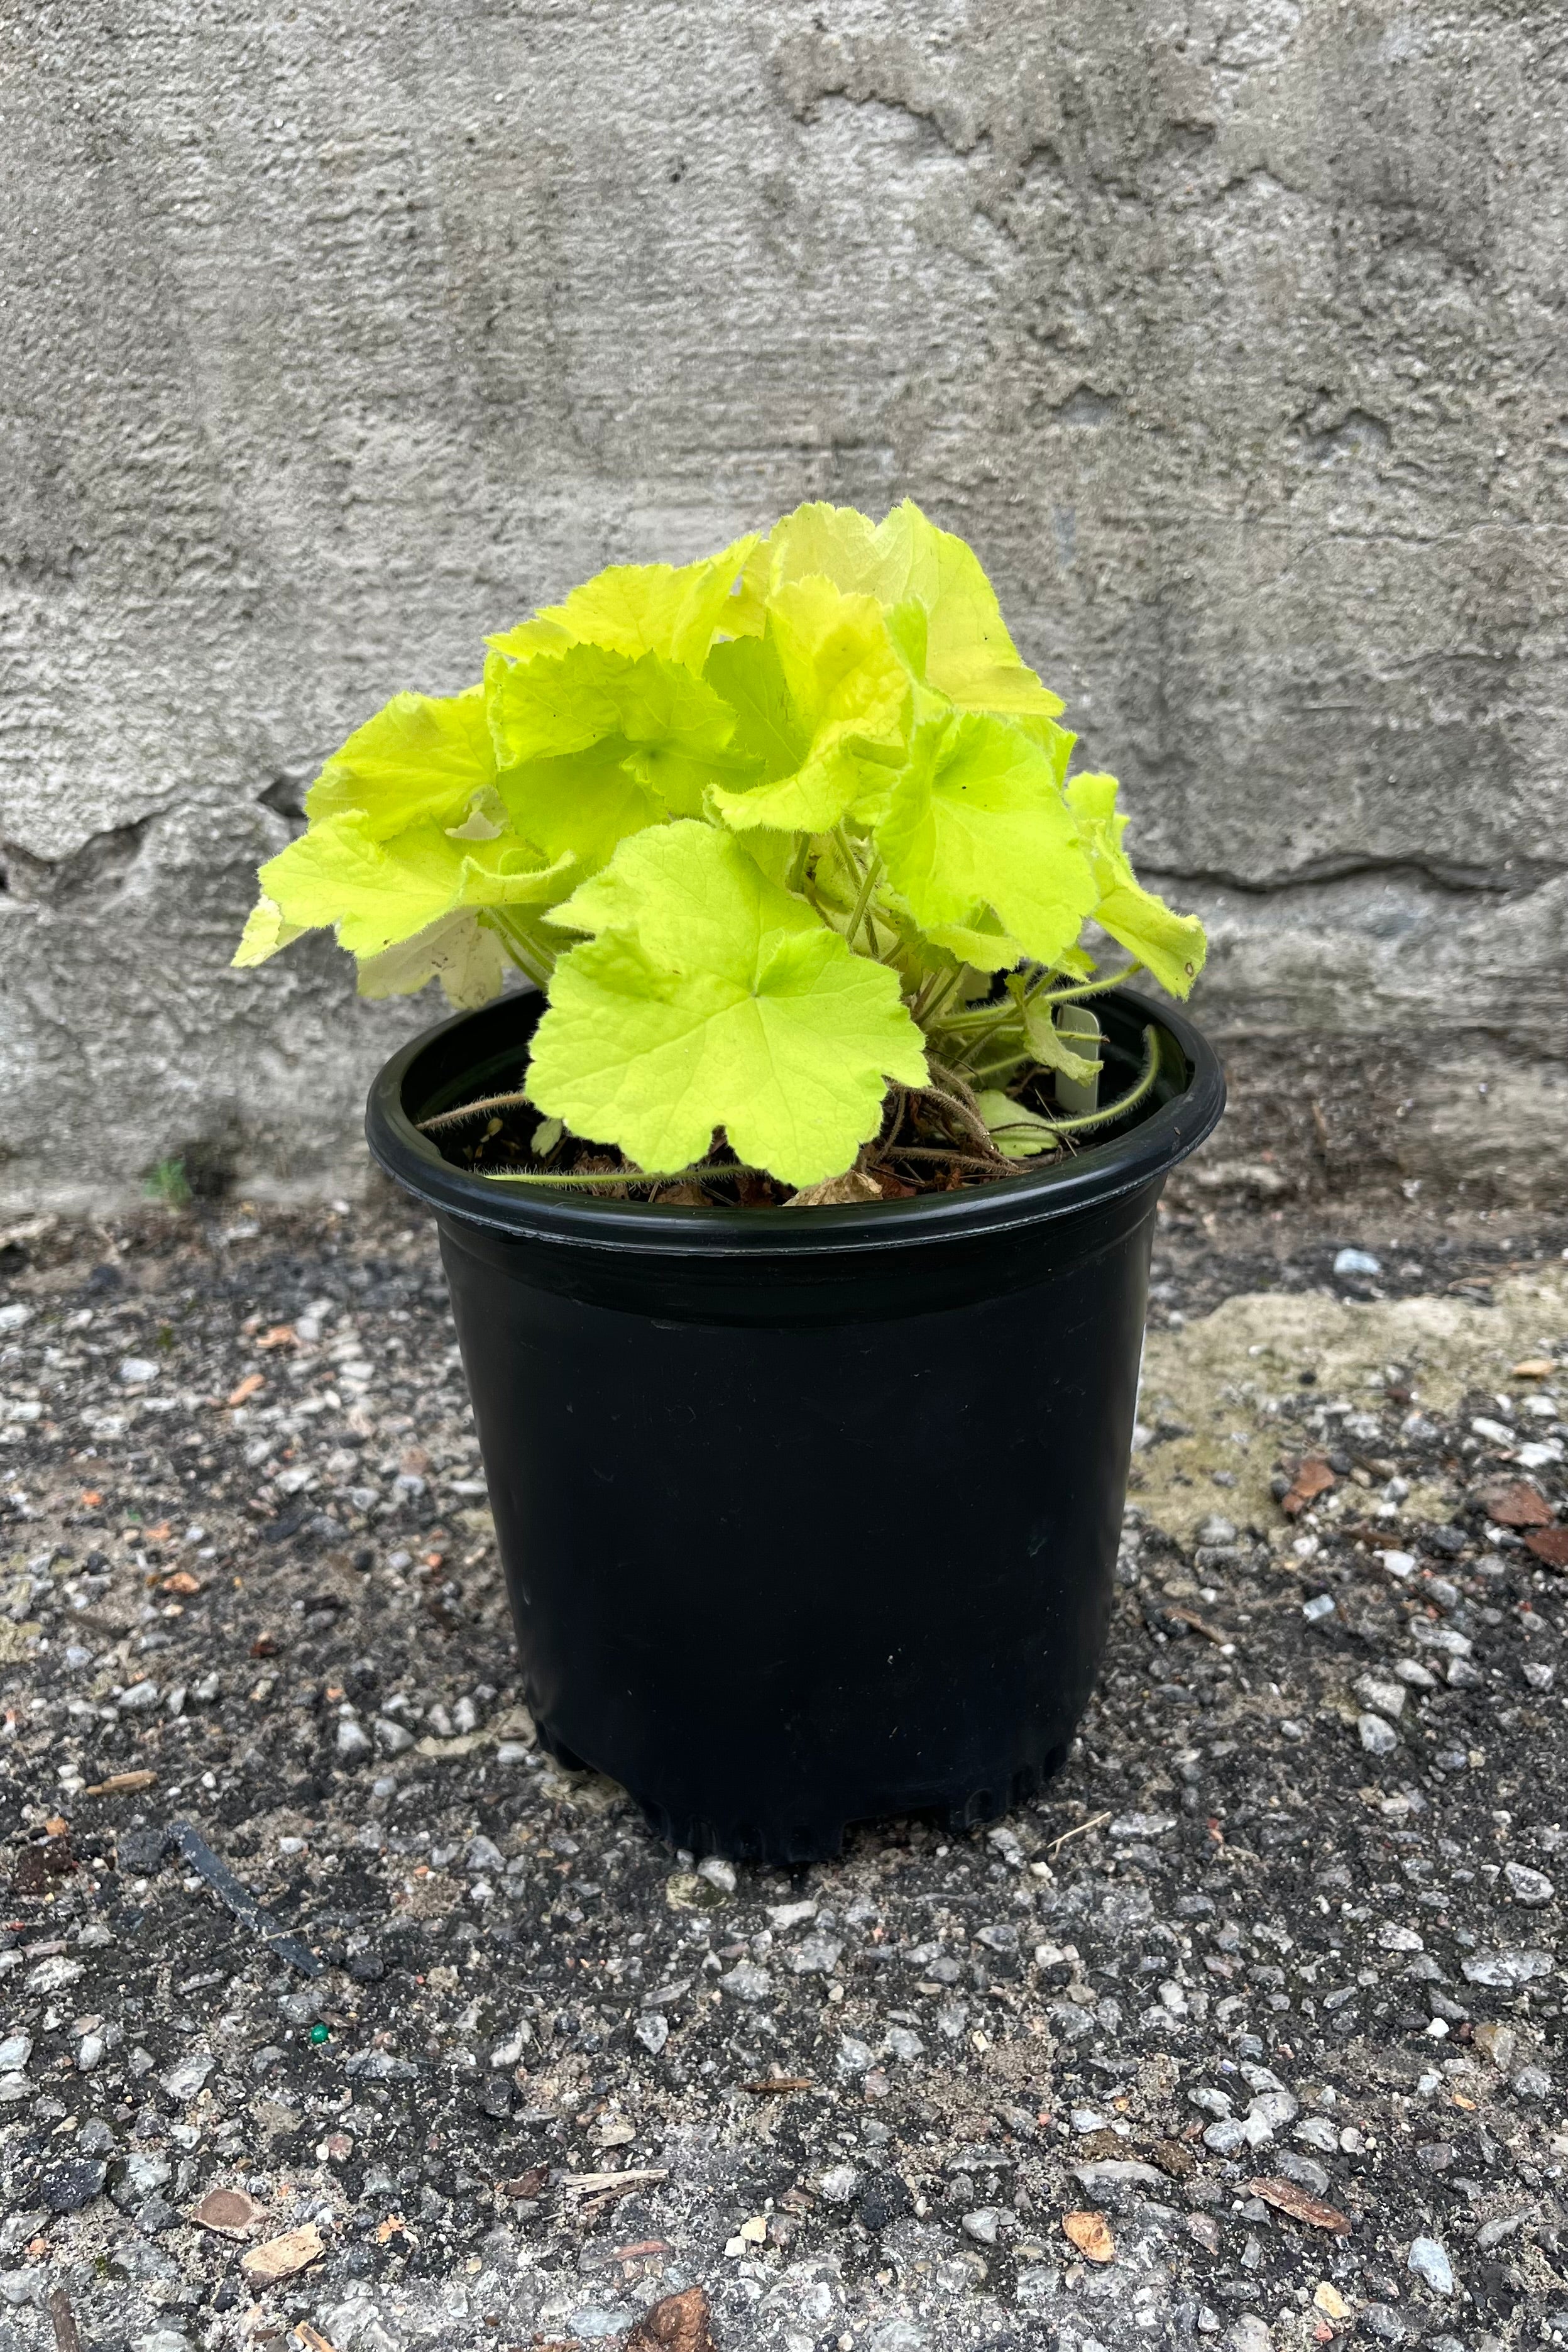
[(808, 1516)]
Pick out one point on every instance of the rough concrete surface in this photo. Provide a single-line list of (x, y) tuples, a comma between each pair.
[(1230, 333), (1248, 2031)]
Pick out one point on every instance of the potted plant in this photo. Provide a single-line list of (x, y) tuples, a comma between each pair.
[(797, 1214)]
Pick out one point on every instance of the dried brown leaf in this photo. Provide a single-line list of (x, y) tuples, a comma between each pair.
[(595, 2184), (837, 1191), (1199, 1625), (63, 2319)]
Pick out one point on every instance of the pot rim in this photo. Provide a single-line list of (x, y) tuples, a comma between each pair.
[(1144, 1155)]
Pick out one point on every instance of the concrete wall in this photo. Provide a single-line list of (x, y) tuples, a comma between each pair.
[(1230, 331)]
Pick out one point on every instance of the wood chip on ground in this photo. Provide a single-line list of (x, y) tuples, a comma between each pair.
[(1286, 2198), (678, 2324), (1091, 2233), (280, 2258), (1520, 1503), (528, 2183), (1310, 1478), (229, 2211)]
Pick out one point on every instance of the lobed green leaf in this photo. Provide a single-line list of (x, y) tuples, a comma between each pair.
[(640, 608), (712, 997), (980, 845), (422, 759), (1171, 946), (819, 703), (378, 893)]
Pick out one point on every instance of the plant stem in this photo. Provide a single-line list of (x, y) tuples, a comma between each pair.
[(932, 994), (974, 1037), (861, 913), (953, 1159), (1090, 988), (1129, 1101), (707, 1172), (890, 1124), (533, 960), (967, 1114), (969, 1044), (983, 1017), (470, 1110), (846, 848)]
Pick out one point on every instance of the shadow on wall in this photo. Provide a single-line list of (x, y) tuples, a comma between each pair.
[(85, 879)]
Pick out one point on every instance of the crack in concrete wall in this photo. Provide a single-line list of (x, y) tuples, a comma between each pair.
[(1514, 878), (1231, 339)]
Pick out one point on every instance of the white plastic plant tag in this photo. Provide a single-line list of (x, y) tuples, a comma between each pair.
[(1078, 1027)]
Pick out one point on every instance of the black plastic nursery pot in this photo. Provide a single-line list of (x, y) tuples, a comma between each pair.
[(808, 1516)]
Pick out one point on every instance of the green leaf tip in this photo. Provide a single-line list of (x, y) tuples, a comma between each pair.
[(760, 825)]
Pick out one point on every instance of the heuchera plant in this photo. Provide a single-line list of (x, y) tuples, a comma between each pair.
[(772, 831)]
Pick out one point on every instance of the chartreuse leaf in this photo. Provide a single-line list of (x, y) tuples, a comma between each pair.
[(836, 544), (969, 655), (265, 932), (458, 950), (638, 608), (711, 998), (421, 756), (978, 841), (983, 943), (747, 674), (746, 615), (1171, 946), (377, 893), (1016, 1133), (818, 696), (581, 805), (594, 745), (1048, 1046), (963, 650), (586, 697)]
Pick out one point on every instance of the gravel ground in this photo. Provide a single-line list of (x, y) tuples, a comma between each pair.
[(1247, 2030)]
